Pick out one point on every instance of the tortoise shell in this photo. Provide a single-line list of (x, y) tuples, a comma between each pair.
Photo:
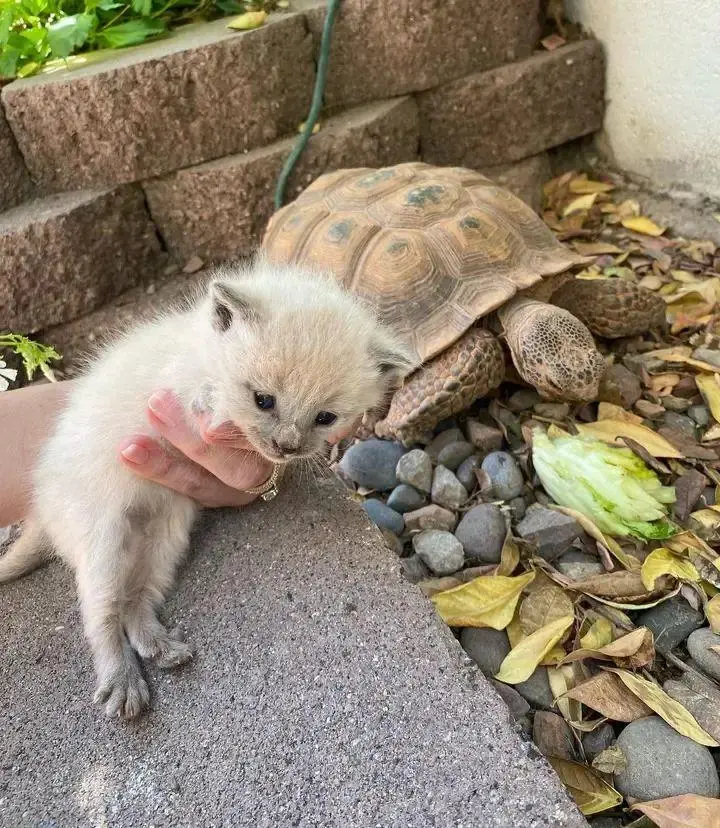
[(433, 249)]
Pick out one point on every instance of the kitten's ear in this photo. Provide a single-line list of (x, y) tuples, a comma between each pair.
[(393, 358), (230, 303)]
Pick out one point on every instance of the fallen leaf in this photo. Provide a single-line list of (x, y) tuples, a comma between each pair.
[(607, 695), (514, 632), (562, 679), (595, 248), (619, 584), (509, 557), (709, 387), (686, 445), (610, 431), (644, 225), (432, 586), (629, 208), (591, 793), (712, 613), (688, 488), (599, 634), (609, 411), (487, 601), (585, 185), (633, 650), (684, 811), (665, 706), (611, 761), (544, 606), (663, 562), (628, 561), (249, 20), (520, 663), (583, 202)]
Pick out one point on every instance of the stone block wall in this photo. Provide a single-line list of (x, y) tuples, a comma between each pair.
[(172, 149)]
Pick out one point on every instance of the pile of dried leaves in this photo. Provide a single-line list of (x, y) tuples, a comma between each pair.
[(602, 666)]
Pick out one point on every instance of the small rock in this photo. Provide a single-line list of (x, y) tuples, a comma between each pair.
[(430, 517), (606, 822), (578, 565), (671, 622), (415, 469), (518, 507), (676, 404), (384, 517), (680, 423), (536, 690), (699, 414), (663, 763), (598, 740), (649, 410), (620, 387), (441, 551), (193, 264), (445, 438), (707, 355), (701, 697), (552, 532), (404, 498), (454, 454), (372, 463), (699, 644), (523, 399), (447, 490), (466, 472), (519, 708), (486, 647), (552, 411), (505, 475), (484, 437), (482, 533), (414, 569), (553, 737)]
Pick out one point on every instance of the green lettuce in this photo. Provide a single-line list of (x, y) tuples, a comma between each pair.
[(610, 485)]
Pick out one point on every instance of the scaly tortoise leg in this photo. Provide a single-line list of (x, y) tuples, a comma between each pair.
[(446, 385), (612, 308), (552, 350)]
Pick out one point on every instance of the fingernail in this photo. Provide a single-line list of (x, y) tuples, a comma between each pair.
[(136, 454), (159, 404)]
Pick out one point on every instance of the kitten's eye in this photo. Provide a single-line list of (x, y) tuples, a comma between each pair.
[(264, 401), (325, 418)]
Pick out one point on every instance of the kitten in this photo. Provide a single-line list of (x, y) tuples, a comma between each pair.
[(284, 353)]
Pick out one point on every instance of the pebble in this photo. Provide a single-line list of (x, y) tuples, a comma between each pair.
[(505, 475), (372, 464), (677, 404), (519, 708), (620, 387), (649, 410), (578, 565), (482, 533), (414, 569), (445, 438), (430, 517), (552, 411), (415, 469), (447, 490), (536, 690), (707, 355), (700, 414), (523, 399), (598, 740), (454, 454), (518, 507), (466, 472), (441, 551), (552, 532), (698, 645), (662, 763), (384, 517), (679, 422), (671, 622), (485, 437), (701, 697), (404, 498), (486, 647), (553, 737)]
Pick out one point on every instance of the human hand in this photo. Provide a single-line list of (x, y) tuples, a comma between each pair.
[(214, 467)]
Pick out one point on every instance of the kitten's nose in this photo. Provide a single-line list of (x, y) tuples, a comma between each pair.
[(287, 449)]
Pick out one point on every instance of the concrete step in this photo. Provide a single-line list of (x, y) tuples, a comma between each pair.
[(14, 179), (65, 255), (325, 692)]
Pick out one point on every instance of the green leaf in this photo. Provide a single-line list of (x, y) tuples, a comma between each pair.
[(8, 62), (142, 7), (130, 33), (68, 33), (6, 20), (33, 354)]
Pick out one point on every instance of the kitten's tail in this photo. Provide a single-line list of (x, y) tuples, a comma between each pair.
[(32, 549)]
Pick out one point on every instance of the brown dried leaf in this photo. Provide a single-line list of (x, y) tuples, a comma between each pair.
[(620, 584), (684, 811), (688, 489), (611, 761), (607, 695), (543, 606), (633, 650), (611, 431), (591, 793)]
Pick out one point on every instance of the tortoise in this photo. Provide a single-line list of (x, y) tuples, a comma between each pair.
[(449, 260)]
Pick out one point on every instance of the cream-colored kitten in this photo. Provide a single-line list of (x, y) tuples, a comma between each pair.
[(285, 354)]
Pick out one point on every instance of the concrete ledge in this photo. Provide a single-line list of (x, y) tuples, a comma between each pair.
[(382, 49), (515, 111), (14, 180), (219, 210), (204, 93), (325, 692), (65, 255)]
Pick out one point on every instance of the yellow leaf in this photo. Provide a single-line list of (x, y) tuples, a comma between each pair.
[(670, 710), (600, 634), (712, 612), (582, 185), (663, 562), (630, 562), (644, 225), (584, 202), (540, 608), (632, 650), (608, 411), (249, 20), (595, 248), (520, 663), (709, 387), (487, 601), (610, 431), (514, 632), (591, 793), (509, 558), (561, 680), (684, 811), (607, 695)]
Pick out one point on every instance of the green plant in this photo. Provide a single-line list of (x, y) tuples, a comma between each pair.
[(33, 354), (39, 35)]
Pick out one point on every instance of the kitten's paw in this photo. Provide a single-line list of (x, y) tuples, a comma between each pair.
[(124, 693), (173, 654)]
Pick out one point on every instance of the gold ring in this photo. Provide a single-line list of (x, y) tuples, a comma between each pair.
[(269, 489)]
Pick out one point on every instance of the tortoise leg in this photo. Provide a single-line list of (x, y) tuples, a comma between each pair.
[(445, 385), (612, 308), (552, 350)]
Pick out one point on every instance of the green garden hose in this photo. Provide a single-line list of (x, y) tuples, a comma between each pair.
[(315, 107)]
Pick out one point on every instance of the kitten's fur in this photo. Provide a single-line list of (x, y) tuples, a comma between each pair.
[(279, 331)]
